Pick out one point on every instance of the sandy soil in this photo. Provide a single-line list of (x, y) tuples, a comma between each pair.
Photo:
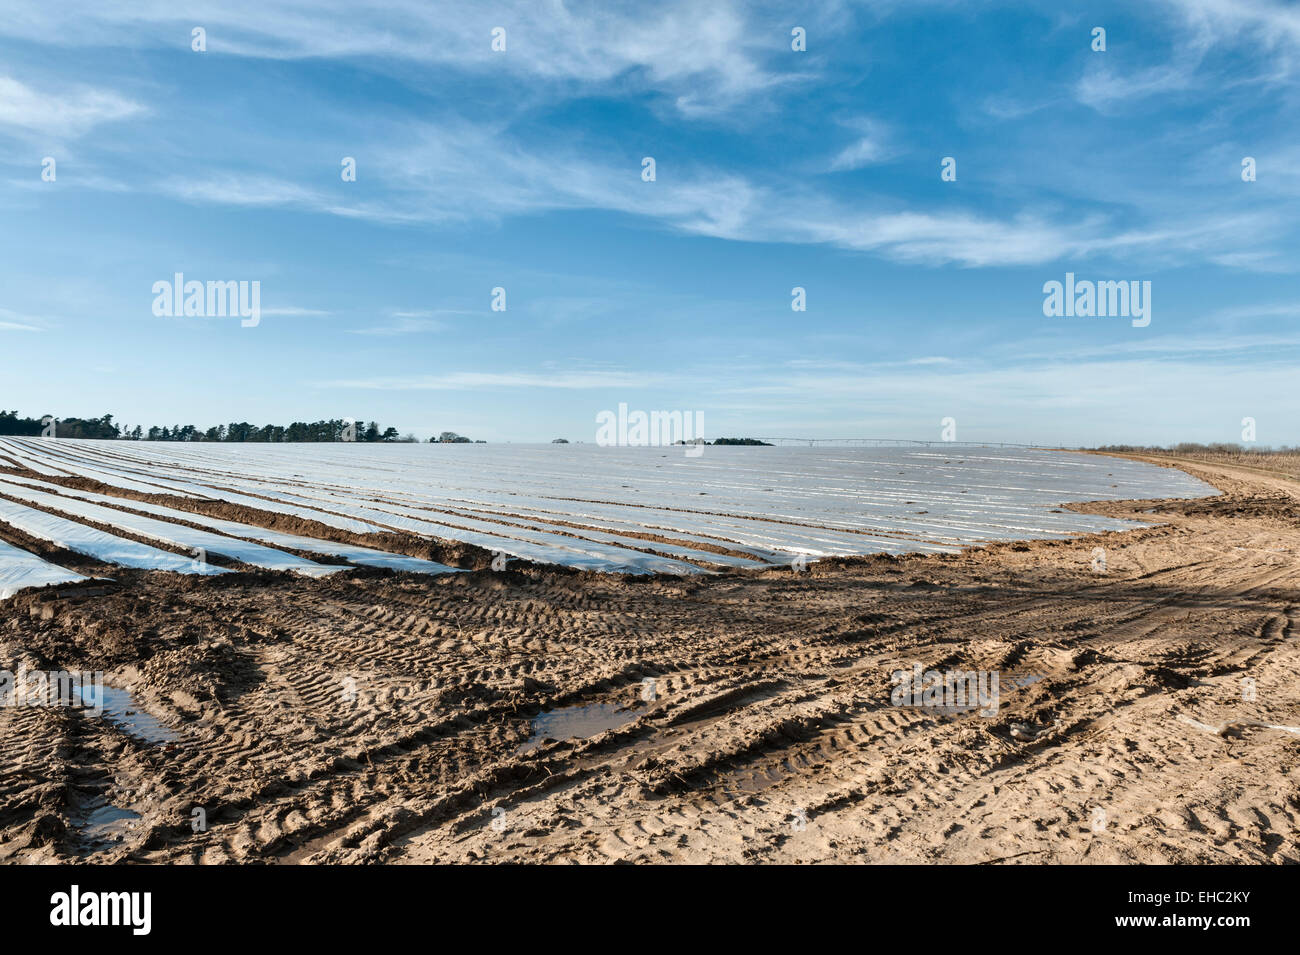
[(382, 718)]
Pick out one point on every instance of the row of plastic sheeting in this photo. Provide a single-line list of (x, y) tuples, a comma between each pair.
[(20, 570)]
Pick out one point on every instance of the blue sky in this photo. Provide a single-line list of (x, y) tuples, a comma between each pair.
[(774, 169)]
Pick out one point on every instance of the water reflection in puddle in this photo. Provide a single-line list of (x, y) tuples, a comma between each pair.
[(576, 722), (121, 708), (101, 825)]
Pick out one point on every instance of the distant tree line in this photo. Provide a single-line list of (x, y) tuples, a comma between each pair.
[(335, 429), (103, 427), (749, 442)]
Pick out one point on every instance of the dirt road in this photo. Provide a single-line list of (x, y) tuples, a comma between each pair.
[(389, 719)]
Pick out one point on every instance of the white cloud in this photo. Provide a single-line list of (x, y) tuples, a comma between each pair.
[(294, 311), (1264, 310), (61, 113), (14, 322), (864, 152), (872, 146), (1107, 400), (1270, 30), (240, 189), (1102, 87), (458, 173), (475, 381), (1126, 396), (1275, 25), (407, 323), (701, 57)]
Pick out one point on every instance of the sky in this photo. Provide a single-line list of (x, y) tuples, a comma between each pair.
[(775, 168)]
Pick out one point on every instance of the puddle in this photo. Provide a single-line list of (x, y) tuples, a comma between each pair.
[(101, 825), (1022, 681), (122, 709), (576, 722)]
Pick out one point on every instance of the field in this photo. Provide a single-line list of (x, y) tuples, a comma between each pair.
[(571, 705), (639, 510)]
